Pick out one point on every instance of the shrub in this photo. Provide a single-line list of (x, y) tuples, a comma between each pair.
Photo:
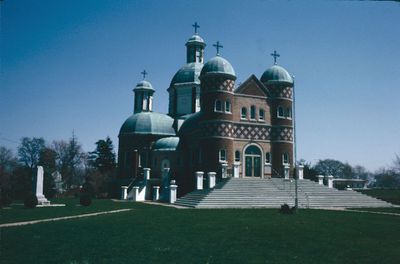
[(6, 199), (285, 209), (85, 199), (30, 201)]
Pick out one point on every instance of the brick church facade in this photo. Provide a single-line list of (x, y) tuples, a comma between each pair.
[(212, 123)]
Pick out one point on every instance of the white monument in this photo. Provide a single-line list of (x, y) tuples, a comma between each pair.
[(39, 187)]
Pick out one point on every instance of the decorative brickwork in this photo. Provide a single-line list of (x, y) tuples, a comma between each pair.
[(284, 92), (244, 131), (218, 83)]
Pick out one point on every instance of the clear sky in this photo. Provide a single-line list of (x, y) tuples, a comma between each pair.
[(71, 65)]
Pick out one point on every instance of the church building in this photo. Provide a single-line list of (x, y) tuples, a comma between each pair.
[(212, 125)]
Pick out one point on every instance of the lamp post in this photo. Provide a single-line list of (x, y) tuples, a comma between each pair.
[(296, 199)]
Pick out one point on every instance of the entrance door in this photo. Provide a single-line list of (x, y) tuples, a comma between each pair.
[(252, 162)]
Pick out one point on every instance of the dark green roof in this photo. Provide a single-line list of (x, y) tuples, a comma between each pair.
[(166, 144), (276, 74), (148, 123), (144, 85), (195, 39), (188, 74), (218, 65)]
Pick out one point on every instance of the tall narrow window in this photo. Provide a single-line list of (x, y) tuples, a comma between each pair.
[(218, 106), (261, 114), (252, 112), (280, 111), (268, 158), (243, 113), (228, 106), (222, 155), (237, 155), (285, 158), (288, 113)]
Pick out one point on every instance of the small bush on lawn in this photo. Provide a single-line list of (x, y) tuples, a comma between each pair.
[(285, 209), (85, 199), (6, 200), (30, 201)]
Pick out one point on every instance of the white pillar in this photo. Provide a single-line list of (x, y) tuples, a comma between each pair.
[(172, 192), (211, 179), (124, 192), (146, 174), (300, 170), (268, 169), (236, 168), (135, 191), (321, 179), (330, 181), (199, 180), (286, 171), (156, 193), (224, 169), (39, 186)]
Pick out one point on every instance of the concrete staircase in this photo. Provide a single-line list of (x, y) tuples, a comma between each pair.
[(272, 193)]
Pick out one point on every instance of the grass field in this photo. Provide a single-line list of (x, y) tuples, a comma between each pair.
[(156, 234), (389, 195)]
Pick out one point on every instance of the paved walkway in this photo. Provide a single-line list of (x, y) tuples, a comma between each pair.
[(62, 218)]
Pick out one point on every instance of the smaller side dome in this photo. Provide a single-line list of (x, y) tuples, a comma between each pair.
[(218, 65), (144, 85), (166, 144), (276, 74), (196, 39)]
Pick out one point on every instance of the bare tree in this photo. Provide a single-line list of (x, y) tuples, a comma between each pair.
[(69, 160), (29, 151)]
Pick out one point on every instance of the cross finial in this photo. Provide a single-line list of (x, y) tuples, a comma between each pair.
[(275, 55), (196, 26), (144, 72), (218, 46)]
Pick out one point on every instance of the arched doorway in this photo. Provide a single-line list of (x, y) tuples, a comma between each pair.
[(252, 159)]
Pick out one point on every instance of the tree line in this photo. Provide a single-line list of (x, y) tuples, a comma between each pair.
[(385, 177), (66, 168)]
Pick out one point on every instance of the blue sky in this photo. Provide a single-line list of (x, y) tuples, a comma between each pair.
[(72, 65)]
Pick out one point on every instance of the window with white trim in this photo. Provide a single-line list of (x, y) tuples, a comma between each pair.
[(237, 155), (280, 111), (218, 106), (285, 158), (243, 113), (268, 158), (288, 113), (222, 155), (261, 114), (228, 106), (252, 112)]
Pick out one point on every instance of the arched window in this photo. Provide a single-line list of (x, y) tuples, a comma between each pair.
[(288, 113), (252, 112), (222, 155), (268, 158), (218, 106), (228, 106), (285, 158), (243, 114), (237, 155), (280, 111), (261, 114)]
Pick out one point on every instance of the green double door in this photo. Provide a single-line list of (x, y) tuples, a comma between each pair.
[(252, 162)]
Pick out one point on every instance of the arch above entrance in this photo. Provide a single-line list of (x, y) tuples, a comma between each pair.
[(253, 161)]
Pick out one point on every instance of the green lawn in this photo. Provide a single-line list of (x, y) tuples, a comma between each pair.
[(156, 234), (389, 195)]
